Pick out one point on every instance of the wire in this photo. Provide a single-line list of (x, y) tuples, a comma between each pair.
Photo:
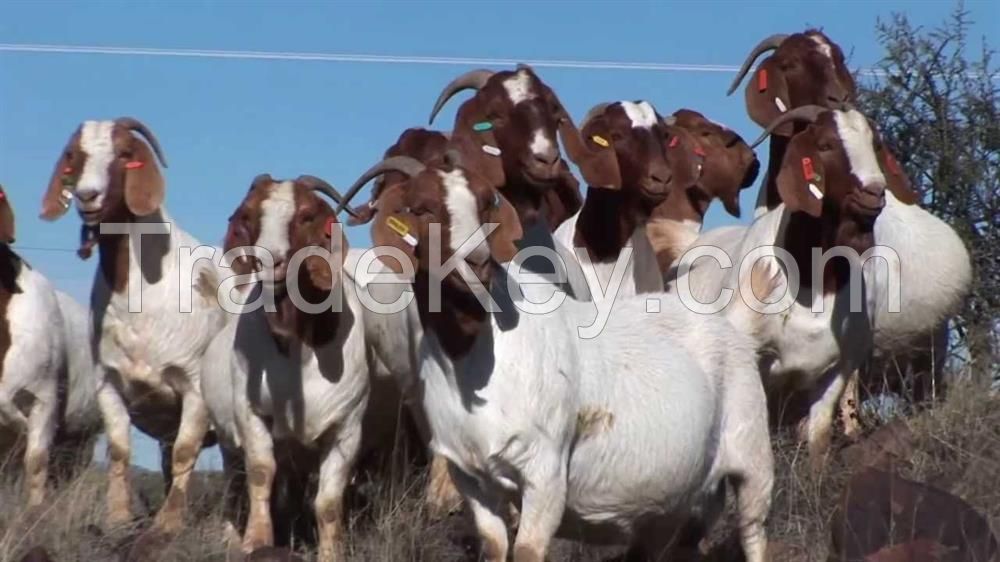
[(363, 58)]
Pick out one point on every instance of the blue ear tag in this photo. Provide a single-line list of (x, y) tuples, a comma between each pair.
[(482, 126)]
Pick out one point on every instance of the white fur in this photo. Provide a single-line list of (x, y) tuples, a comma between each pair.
[(461, 205), (643, 421), (856, 136), (82, 418), (642, 114), (97, 145), (31, 371), (277, 211), (541, 144), (519, 87), (823, 46)]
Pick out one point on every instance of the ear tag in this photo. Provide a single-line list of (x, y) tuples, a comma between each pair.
[(482, 126), (674, 142), (66, 180), (496, 199), (2, 196), (807, 169), (700, 151), (135, 164), (67, 170), (491, 150), (598, 139), (65, 197), (815, 191), (762, 80), (780, 105), (328, 227), (400, 228)]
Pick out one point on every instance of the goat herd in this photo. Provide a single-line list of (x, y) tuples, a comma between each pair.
[(604, 424)]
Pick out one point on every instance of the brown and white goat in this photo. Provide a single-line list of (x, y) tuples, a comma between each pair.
[(150, 350), (297, 365), (723, 164), (808, 68)]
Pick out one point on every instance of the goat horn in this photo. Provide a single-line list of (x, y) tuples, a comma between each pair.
[(403, 164), (670, 120), (771, 43), (474, 79), (133, 124), (804, 113), (318, 184), (594, 112)]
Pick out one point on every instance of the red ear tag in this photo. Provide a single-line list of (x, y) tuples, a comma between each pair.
[(807, 168), (135, 164), (328, 227), (700, 151), (762, 80), (2, 196), (68, 170), (674, 142)]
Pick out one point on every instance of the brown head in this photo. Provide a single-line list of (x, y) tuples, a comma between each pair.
[(7, 231), (831, 171), (110, 172), (724, 163), (803, 69), (284, 217)]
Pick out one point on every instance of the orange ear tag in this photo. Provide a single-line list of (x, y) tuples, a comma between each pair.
[(135, 164), (762, 80), (401, 228)]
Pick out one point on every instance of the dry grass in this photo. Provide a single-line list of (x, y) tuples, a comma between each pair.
[(958, 449)]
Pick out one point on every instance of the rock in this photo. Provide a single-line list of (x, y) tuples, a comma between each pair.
[(889, 444), (884, 517), (37, 554)]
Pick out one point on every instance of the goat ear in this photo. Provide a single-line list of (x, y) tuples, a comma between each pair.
[(7, 230), (685, 163), (474, 137), (330, 237), (56, 200), (563, 199), (896, 178), (237, 237), (143, 182), (387, 226), (508, 231), (799, 192), (599, 166), (767, 96)]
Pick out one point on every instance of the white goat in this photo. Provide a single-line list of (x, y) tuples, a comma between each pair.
[(150, 349), (580, 430)]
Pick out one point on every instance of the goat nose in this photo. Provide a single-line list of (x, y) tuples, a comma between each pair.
[(86, 195), (547, 158)]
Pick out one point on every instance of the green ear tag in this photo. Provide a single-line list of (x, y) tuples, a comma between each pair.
[(482, 126), (67, 180)]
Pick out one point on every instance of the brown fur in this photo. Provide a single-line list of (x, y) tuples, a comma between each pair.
[(10, 268)]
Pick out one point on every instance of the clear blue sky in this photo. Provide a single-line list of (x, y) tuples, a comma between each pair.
[(221, 122)]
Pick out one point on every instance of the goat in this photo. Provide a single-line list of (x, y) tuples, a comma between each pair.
[(298, 376), (833, 191), (150, 358), (808, 68), (724, 166), (32, 355), (562, 425)]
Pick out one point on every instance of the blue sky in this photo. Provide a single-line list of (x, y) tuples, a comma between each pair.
[(222, 121)]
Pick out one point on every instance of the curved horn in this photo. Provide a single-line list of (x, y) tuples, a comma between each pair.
[(804, 113), (318, 184), (768, 44), (133, 124), (403, 164), (474, 79), (594, 112)]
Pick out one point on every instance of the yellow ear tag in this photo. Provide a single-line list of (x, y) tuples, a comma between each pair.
[(600, 140), (400, 228)]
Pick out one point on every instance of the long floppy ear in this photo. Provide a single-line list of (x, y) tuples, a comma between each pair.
[(58, 195), (800, 179), (599, 166), (473, 136), (330, 236), (143, 182), (508, 231), (7, 230), (391, 228), (563, 199), (896, 178), (767, 96), (684, 156)]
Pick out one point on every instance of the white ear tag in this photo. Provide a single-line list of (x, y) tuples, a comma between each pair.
[(780, 104), (815, 191), (67, 196), (491, 150)]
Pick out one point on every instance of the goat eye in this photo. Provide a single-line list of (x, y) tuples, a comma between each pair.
[(824, 146)]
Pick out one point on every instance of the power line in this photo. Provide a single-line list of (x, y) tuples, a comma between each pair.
[(366, 58)]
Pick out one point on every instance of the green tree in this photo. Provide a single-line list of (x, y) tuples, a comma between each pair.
[(935, 100)]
